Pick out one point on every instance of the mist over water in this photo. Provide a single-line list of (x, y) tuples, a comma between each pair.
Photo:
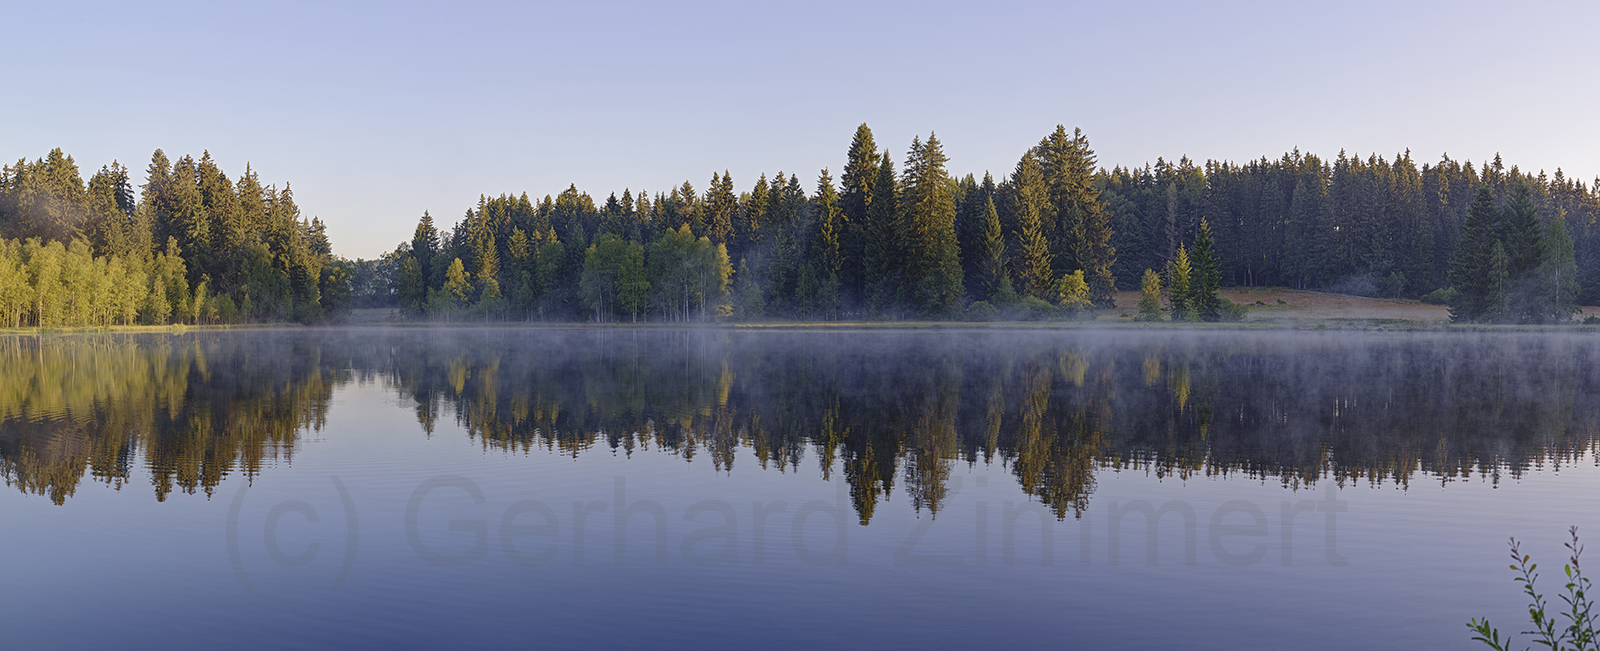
[(430, 486)]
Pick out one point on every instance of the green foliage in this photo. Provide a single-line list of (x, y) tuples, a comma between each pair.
[(1556, 299), (899, 244), (1230, 311), (1572, 627), (982, 311), (1033, 308), (1005, 296), (882, 251), (1178, 285), (1203, 298), (1072, 294), (991, 266), (1150, 297), (170, 254), (750, 300), (1510, 269), (225, 309), (1028, 202), (457, 289), (930, 255)]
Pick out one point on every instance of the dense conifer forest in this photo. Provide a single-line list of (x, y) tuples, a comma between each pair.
[(1054, 235), (192, 246)]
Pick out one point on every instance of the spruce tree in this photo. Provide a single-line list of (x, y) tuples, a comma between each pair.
[(1203, 298), (1150, 297), (456, 286), (883, 247), (859, 188), (1072, 294), (1079, 228), (991, 254), (970, 229), (721, 207), (1498, 308), (931, 256), (825, 259), (186, 216), (1471, 266), (425, 247), (1030, 204), (1179, 274)]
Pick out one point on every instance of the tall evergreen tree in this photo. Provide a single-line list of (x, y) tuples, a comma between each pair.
[(1029, 203), (883, 249), (1179, 280), (991, 269), (1203, 298), (932, 257), (1470, 269), (859, 187)]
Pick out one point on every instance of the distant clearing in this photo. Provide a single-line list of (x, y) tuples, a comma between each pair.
[(1267, 306), (1296, 307)]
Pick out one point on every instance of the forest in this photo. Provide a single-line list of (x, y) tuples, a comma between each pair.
[(192, 247), (1052, 237), (1055, 237)]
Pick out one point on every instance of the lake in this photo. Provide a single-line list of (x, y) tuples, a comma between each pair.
[(720, 488)]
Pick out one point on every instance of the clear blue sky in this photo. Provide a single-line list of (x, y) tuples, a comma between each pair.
[(376, 112)]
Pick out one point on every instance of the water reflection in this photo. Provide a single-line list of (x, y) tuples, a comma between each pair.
[(874, 407)]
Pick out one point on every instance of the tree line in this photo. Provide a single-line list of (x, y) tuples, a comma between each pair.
[(1056, 235), (1376, 226), (916, 243), (192, 246)]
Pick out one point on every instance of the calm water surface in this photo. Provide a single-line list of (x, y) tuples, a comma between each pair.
[(719, 489)]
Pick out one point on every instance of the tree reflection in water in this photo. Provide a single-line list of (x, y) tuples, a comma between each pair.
[(875, 406)]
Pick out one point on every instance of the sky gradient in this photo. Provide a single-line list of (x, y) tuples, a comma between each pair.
[(378, 111)]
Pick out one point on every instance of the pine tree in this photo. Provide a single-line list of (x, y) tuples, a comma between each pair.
[(1029, 205), (1523, 234), (1203, 298), (1498, 308), (1079, 227), (1072, 294), (859, 187), (825, 258), (750, 302), (992, 253), (186, 216), (1471, 266), (883, 247), (457, 289), (932, 258), (721, 208), (1178, 280), (1150, 297)]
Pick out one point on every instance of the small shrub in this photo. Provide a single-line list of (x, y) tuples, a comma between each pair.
[(982, 311), (1576, 632), (1282, 302), (1591, 320), (1440, 296), (1231, 311), (1005, 296), (1032, 308)]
